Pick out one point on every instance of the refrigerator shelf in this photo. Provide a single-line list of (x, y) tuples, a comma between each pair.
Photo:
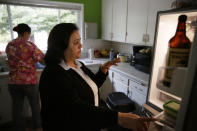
[(175, 88)]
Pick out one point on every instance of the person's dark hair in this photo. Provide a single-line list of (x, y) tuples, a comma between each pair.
[(58, 42), (22, 28)]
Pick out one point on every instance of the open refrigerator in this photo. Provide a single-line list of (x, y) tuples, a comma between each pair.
[(182, 78)]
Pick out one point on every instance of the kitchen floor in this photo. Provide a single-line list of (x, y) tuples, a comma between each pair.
[(10, 127)]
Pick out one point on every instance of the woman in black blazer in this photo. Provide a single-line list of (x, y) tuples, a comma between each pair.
[(69, 90)]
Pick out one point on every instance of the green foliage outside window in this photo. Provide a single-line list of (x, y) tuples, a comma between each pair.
[(4, 26), (38, 18)]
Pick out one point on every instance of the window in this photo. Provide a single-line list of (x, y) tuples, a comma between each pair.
[(41, 17)]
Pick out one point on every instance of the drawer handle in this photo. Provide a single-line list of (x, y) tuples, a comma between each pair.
[(138, 89), (142, 84)]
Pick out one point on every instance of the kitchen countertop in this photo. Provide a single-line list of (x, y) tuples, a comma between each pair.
[(130, 71), (95, 61), (124, 68), (5, 74)]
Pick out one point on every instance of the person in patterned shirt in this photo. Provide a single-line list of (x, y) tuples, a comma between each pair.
[(22, 56)]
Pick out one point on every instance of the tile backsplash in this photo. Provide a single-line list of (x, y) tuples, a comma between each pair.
[(124, 48), (94, 44)]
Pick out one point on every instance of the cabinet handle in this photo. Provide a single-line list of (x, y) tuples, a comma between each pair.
[(142, 84), (131, 94)]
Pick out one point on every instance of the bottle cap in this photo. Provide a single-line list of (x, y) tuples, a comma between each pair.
[(182, 18)]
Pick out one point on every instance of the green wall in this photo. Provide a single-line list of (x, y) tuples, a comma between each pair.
[(92, 11)]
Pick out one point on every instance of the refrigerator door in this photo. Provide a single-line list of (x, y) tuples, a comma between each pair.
[(187, 114), (167, 21)]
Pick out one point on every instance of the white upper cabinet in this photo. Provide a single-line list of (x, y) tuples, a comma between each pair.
[(154, 7), (107, 19), (119, 20), (131, 21), (137, 21), (114, 13)]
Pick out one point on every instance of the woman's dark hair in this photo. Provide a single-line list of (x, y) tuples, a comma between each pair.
[(22, 28), (58, 42)]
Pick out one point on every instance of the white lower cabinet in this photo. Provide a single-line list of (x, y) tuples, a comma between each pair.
[(118, 82), (120, 87), (5, 102), (107, 86), (121, 78), (134, 89), (137, 91), (93, 68), (136, 96)]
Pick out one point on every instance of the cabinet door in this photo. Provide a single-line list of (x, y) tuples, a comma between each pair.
[(121, 78), (120, 87), (154, 7), (134, 95), (137, 21), (107, 86), (137, 91), (93, 68), (119, 20), (107, 19), (5, 102), (110, 75), (138, 86)]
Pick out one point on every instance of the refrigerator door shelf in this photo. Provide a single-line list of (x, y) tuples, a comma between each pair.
[(165, 121), (177, 81)]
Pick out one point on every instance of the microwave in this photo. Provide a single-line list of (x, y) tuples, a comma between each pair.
[(141, 58)]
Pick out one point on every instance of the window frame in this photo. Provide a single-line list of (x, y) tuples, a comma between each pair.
[(51, 4)]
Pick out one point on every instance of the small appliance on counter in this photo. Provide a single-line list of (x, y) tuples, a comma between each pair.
[(141, 58)]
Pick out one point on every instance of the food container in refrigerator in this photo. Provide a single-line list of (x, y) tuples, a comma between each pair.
[(171, 108)]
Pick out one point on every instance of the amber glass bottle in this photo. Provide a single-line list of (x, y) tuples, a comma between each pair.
[(179, 49)]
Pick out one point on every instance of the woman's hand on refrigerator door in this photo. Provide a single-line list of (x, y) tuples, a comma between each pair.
[(105, 67), (133, 121)]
